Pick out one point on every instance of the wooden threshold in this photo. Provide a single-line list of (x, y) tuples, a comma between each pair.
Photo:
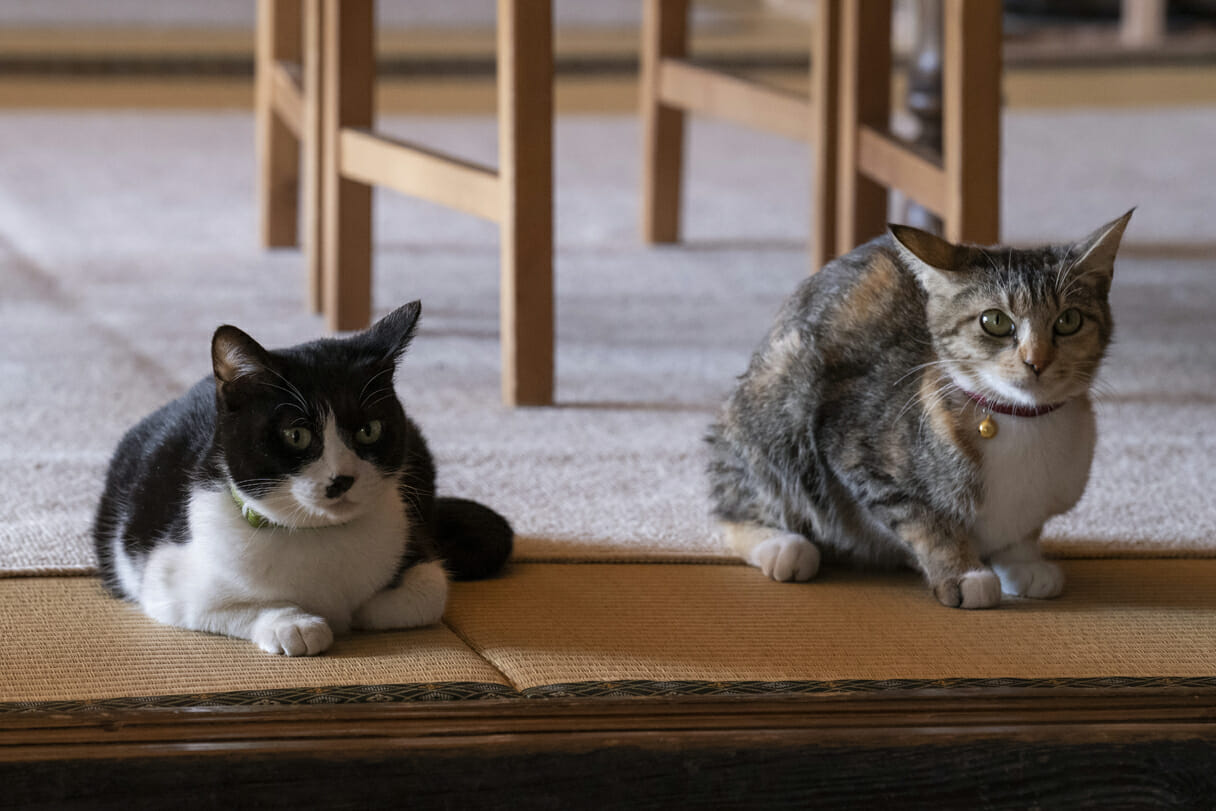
[(1028, 747), (410, 169)]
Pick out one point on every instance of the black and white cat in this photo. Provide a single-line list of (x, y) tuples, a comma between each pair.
[(288, 498)]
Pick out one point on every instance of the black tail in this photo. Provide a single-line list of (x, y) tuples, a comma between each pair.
[(473, 540)]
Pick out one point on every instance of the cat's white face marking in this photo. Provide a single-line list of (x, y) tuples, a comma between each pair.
[(335, 488)]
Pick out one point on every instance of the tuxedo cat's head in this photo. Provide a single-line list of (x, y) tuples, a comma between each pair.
[(312, 435), (1025, 327)]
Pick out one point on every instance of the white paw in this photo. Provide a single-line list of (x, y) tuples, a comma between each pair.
[(786, 557), (292, 633), (1039, 579), (976, 589), (419, 600), (979, 589)]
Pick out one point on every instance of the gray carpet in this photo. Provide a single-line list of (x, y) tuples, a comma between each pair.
[(126, 238)]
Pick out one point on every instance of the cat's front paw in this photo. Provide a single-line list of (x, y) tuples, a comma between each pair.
[(292, 633), (1040, 579), (976, 589), (786, 557)]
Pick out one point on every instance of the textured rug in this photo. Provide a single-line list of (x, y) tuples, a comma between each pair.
[(126, 238)]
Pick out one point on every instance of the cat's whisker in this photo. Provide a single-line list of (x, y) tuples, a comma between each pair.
[(298, 401), (943, 391), (291, 405), (991, 261), (383, 394), (291, 388), (922, 366), (363, 392)]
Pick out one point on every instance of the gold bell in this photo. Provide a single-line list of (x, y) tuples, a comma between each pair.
[(988, 427)]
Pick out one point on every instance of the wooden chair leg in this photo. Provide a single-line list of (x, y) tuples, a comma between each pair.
[(311, 143), (971, 120), (865, 100), (1142, 23), (664, 34), (825, 79), (348, 71), (278, 151), (525, 178)]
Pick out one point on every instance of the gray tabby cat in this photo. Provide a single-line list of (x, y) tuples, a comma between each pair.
[(920, 403)]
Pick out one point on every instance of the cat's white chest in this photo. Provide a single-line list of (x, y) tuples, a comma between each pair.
[(327, 571), (1033, 469)]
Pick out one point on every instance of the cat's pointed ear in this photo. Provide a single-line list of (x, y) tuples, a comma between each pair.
[(235, 355), (1096, 253), (923, 248), (389, 336), (929, 256)]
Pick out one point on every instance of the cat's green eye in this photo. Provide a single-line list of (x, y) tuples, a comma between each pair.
[(297, 438), (996, 323), (369, 433), (1068, 322)]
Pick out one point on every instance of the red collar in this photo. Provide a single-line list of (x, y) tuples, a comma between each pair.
[(1012, 410)]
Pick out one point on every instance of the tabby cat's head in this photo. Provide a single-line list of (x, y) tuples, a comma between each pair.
[(1025, 327), (314, 434)]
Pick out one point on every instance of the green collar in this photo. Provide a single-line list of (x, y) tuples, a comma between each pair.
[(255, 518)]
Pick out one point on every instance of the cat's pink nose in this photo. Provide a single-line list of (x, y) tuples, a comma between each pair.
[(1037, 365)]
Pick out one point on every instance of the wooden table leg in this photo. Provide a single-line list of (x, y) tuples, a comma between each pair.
[(278, 151), (348, 79), (971, 120), (865, 99), (312, 142), (525, 177), (664, 34), (825, 80), (1142, 23)]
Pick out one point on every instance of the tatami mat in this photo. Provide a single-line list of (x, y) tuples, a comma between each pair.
[(64, 640), (596, 629), (546, 625)]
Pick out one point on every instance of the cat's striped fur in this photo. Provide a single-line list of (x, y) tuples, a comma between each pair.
[(853, 432)]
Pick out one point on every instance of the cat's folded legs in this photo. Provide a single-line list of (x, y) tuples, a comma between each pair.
[(783, 556), (278, 628), (418, 600), (1024, 572), (169, 594)]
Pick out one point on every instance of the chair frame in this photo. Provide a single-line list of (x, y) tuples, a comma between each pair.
[(327, 105), (846, 120)]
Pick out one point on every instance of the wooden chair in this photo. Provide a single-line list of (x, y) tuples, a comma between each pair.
[(324, 106), (962, 184), (846, 120), (672, 86)]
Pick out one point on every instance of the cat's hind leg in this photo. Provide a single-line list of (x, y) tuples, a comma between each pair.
[(781, 555), (418, 600)]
